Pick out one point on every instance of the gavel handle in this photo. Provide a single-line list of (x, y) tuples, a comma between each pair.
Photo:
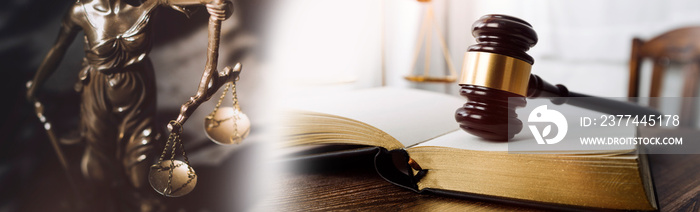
[(540, 88)]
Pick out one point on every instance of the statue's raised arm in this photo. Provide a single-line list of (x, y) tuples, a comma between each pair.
[(212, 79)]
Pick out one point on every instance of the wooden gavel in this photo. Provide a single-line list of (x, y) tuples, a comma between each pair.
[(497, 70)]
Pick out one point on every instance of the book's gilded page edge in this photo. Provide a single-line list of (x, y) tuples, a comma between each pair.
[(363, 133), (422, 185), (344, 153)]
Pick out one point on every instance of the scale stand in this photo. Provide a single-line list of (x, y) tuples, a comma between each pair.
[(425, 34)]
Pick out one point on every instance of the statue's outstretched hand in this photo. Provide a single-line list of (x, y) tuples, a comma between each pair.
[(220, 11)]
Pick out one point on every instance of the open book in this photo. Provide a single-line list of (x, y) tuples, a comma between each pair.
[(420, 147)]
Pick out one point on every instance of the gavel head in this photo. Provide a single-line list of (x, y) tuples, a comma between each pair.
[(496, 70)]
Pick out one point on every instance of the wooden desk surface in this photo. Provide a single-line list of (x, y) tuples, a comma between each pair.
[(354, 185)]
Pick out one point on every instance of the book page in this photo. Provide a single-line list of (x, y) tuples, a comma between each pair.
[(463, 140), (525, 140), (410, 116)]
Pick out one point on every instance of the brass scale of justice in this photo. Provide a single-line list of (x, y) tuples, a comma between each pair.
[(225, 125), (427, 27)]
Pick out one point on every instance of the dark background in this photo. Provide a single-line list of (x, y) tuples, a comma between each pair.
[(29, 169)]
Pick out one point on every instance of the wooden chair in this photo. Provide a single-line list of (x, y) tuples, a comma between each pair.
[(680, 46)]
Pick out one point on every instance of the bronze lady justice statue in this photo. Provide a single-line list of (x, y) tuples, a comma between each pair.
[(117, 84)]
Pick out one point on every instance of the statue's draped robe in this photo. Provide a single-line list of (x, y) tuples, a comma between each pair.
[(117, 87)]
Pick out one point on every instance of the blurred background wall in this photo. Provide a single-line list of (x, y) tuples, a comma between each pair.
[(585, 45)]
